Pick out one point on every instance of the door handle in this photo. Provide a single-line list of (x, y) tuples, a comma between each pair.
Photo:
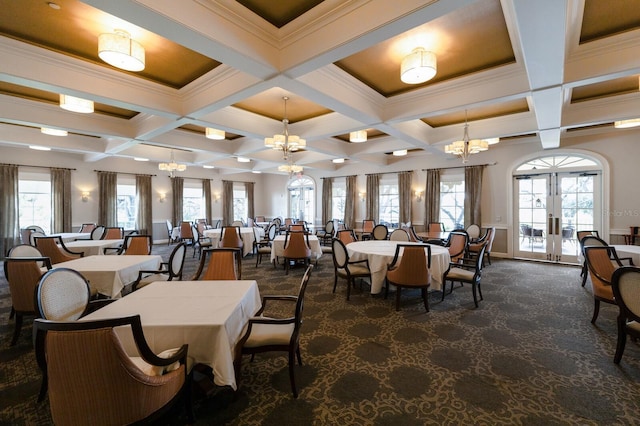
[(556, 229)]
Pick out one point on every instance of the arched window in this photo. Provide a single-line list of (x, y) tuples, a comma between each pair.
[(302, 198)]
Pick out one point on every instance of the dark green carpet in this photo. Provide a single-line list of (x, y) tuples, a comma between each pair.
[(528, 355)]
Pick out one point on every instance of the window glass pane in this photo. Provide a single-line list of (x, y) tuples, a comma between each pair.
[(301, 198), (338, 198), (192, 203), (34, 203), (126, 209), (452, 202), (240, 211), (389, 201)]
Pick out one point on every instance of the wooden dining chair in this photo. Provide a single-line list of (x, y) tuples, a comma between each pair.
[(296, 249), (367, 229), (221, 263), (54, 248), (625, 284), (133, 245), (113, 233), (347, 269), (466, 270), (169, 271), (411, 270), (346, 236), (601, 262), (231, 237)]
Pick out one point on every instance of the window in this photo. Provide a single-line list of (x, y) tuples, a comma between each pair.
[(240, 208), (389, 201), (452, 201), (192, 202), (338, 198), (127, 206), (34, 200), (301, 197)]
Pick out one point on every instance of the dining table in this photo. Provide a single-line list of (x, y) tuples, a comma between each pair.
[(247, 233), (631, 251), (71, 236), (380, 253), (209, 316), (108, 275), (277, 247), (433, 235), (92, 247)]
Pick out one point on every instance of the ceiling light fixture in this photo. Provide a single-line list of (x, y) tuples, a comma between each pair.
[(466, 146), (285, 142), (53, 132), (338, 160), (625, 124), (290, 168), (215, 134), (206, 166), (141, 159), (400, 152), (73, 104), (121, 51), (358, 136), (40, 148), (418, 66), (244, 160), (172, 166), (492, 141)]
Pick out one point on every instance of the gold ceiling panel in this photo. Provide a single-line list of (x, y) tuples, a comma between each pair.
[(615, 87), (481, 113), (54, 98), (74, 30), (470, 39), (605, 18), (279, 13)]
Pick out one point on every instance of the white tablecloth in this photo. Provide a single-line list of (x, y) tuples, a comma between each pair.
[(380, 254), (277, 247), (109, 274), (71, 236), (246, 233), (629, 251), (92, 247), (208, 315)]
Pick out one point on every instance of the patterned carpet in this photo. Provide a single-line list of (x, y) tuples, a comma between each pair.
[(527, 356)]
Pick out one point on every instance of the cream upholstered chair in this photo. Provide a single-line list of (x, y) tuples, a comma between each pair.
[(93, 381), (54, 248), (347, 269), (169, 271), (265, 334), (399, 235), (263, 247), (222, 263), (326, 234), (601, 262), (487, 239), (23, 274), (296, 248), (173, 233), (466, 270), (200, 242), (410, 271), (626, 290), (380, 232)]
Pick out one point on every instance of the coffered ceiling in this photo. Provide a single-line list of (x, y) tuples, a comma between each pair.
[(524, 71)]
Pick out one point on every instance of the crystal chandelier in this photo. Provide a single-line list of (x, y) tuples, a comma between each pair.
[(285, 142), (466, 146), (172, 166)]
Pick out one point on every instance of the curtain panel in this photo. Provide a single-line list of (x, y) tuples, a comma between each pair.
[(372, 210), (327, 200), (177, 191), (206, 192), (9, 228), (227, 202), (404, 192), (472, 195), (250, 206), (108, 198), (60, 200), (432, 197), (351, 198), (144, 196)]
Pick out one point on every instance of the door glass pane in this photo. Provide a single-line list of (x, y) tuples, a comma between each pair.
[(532, 214)]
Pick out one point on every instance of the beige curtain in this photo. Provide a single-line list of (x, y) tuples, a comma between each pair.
[(250, 207), (350, 203), (9, 228), (327, 200), (177, 191), (227, 202), (108, 198), (206, 191), (373, 198), (145, 209), (472, 194), (404, 192), (60, 200), (432, 197)]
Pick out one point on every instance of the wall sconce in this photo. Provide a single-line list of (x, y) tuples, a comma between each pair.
[(363, 196), (419, 194), (216, 197), (85, 196), (163, 197)]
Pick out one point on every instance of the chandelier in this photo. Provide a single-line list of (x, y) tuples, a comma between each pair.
[(172, 166), (285, 142), (466, 146)]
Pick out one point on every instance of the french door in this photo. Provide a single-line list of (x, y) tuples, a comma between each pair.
[(550, 208)]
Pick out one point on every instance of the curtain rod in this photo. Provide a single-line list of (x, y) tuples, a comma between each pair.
[(461, 167), (38, 167), (390, 173), (123, 173)]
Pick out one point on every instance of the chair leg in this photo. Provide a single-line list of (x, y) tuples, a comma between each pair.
[(386, 288), (12, 313), (596, 310), (397, 298), (349, 280), (291, 373), (16, 331), (479, 290), (425, 298), (584, 274), (474, 291), (622, 339), (335, 281), (43, 387), (286, 266), (444, 289)]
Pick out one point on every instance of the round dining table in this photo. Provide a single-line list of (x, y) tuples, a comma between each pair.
[(380, 253)]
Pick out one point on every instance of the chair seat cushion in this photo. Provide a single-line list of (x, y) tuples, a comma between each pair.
[(264, 250), (269, 334), (460, 274), (151, 278), (355, 270), (156, 370)]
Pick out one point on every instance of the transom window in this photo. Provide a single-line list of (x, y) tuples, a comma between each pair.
[(557, 161)]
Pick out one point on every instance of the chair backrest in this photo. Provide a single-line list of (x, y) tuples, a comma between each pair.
[(250, 222), (272, 230), (77, 355), (346, 236), (221, 264), (36, 228), (625, 283), (113, 233), (186, 233), (25, 234), (137, 245), (24, 250), (367, 225), (288, 221), (412, 234), (196, 235), (602, 261), (413, 267), (176, 260), (435, 227), (98, 232), (581, 234), (296, 244), (54, 248), (63, 294), (87, 227), (330, 227), (217, 224), (169, 226), (592, 241), (260, 219), (526, 230), (489, 237), (296, 227), (23, 274), (457, 245), (567, 232), (237, 223), (231, 237), (380, 232), (473, 231), (339, 253), (200, 227), (399, 235), (34, 235), (300, 304)]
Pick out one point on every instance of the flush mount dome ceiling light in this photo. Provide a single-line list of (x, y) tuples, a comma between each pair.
[(53, 132), (625, 124), (418, 66), (358, 136), (121, 51), (215, 134), (73, 104)]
